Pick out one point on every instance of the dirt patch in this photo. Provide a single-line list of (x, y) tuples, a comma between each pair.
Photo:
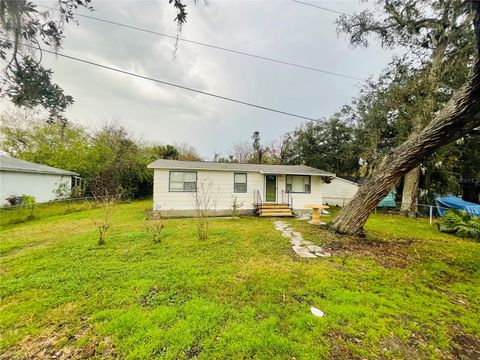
[(46, 346), (341, 344), (396, 348), (464, 345), (390, 254), (194, 351)]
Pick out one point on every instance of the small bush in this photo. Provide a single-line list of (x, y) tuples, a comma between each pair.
[(103, 221), (154, 226), (460, 223), (203, 228), (235, 206), (204, 202), (30, 202)]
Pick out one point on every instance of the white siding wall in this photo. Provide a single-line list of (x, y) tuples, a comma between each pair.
[(315, 196), (222, 188), (41, 186), (338, 192)]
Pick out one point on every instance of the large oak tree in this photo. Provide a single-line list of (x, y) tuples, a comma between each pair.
[(459, 116), (437, 34)]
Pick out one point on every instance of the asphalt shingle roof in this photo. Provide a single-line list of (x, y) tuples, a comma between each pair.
[(261, 168), (12, 164)]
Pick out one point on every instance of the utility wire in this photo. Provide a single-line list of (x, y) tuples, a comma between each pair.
[(169, 83), (321, 7), (238, 52)]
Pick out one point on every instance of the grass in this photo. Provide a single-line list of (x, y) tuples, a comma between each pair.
[(19, 214), (407, 291)]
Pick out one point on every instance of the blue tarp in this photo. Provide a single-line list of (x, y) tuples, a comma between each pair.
[(453, 202), (389, 200)]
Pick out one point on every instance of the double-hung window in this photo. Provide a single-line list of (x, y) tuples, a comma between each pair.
[(298, 184), (183, 181), (240, 183)]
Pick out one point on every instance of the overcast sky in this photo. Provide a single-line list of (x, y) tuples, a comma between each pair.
[(283, 30)]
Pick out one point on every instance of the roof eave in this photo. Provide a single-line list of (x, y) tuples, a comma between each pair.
[(67, 173), (296, 173), (151, 166)]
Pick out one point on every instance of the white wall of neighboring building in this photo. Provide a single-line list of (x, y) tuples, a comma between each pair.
[(41, 186), (222, 190), (339, 192)]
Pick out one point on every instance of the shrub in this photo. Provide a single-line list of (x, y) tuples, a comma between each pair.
[(154, 226), (204, 202), (461, 223), (29, 201), (235, 206), (108, 206)]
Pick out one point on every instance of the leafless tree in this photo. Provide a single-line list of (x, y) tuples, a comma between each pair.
[(187, 152), (154, 225), (242, 151), (274, 151), (204, 202), (108, 206)]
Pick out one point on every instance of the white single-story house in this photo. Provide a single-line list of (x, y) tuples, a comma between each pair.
[(20, 177), (279, 188)]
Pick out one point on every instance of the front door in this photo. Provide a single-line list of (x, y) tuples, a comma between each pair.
[(271, 188)]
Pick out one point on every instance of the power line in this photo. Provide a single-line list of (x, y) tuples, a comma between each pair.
[(321, 7), (238, 52), (170, 83)]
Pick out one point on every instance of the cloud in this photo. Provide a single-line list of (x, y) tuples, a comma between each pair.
[(283, 30)]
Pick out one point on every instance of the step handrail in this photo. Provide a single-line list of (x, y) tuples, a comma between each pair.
[(257, 198), (289, 199)]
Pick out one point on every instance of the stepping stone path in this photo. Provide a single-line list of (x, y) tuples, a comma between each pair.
[(303, 248)]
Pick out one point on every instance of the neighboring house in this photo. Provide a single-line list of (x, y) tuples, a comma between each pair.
[(271, 189), (359, 180), (339, 192), (19, 177)]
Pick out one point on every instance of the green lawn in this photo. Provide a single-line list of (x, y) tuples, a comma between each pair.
[(15, 215), (406, 291)]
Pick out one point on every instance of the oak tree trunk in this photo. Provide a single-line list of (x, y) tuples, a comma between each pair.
[(460, 115), (409, 204)]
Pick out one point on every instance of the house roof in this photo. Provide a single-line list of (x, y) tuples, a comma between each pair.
[(356, 179), (12, 164), (261, 168), (341, 178)]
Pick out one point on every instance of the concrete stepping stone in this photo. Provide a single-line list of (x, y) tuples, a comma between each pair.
[(306, 242), (303, 252), (302, 247)]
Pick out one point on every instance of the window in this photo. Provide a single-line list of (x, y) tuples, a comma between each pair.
[(183, 181), (298, 183), (240, 183)]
